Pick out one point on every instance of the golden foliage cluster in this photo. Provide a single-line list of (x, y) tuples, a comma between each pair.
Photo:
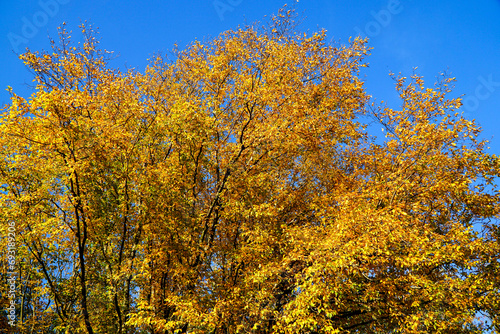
[(235, 189)]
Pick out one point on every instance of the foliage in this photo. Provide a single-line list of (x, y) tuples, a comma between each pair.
[(235, 189)]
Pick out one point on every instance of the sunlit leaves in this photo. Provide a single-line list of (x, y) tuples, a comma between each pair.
[(234, 189)]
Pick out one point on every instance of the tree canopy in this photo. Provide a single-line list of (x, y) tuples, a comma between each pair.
[(236, 189)]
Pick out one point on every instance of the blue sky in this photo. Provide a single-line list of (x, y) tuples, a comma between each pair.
[(461, 37)]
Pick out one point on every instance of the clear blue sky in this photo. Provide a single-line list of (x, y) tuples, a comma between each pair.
[(462, 37)]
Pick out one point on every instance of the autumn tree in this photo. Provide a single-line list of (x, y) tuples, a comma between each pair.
[(236, 189)]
